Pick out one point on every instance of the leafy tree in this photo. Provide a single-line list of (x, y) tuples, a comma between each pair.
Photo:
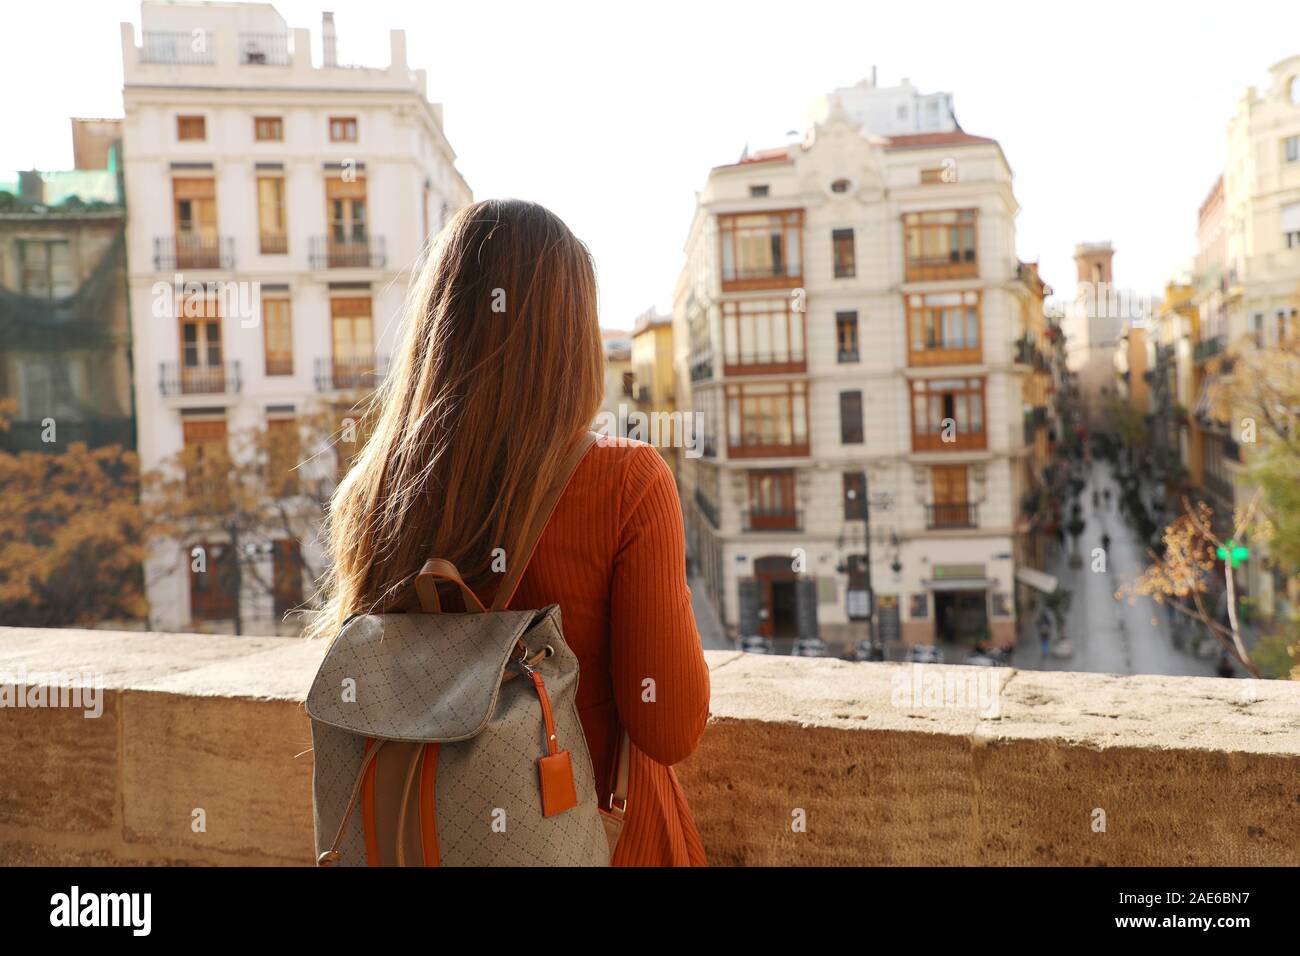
[(70, 536)]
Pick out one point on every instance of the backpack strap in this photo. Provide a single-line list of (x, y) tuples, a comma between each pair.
[(440, 569), (510, 583)]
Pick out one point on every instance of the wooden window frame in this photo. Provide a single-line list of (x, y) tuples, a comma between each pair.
[(785, 223), (742, 398), (764, 517), (735, 317), (927, 435), (272, 126), (273, 243), (924, 321), (191, 128), (844, 266), (922, 268), (275, 363), (217, 602), (844, 353), (343, 129)]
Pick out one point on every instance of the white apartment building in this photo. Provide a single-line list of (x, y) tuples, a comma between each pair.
[(849, 322), (309, 190)]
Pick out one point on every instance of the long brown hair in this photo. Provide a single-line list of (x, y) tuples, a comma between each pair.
[(500, 367)]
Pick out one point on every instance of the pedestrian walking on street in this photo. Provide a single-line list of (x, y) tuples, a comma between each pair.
[(1105, 542), (1044, 633), (1106, 495)]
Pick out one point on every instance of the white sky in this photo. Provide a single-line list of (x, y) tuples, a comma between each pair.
[(1112, 115)]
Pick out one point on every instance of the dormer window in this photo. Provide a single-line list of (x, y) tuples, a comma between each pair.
[(840, 186), (756, 192)]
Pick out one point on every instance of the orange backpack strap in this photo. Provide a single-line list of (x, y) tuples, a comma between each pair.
[(426, 586), (510, 583)]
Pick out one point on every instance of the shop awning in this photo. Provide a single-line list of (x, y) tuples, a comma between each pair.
[(1039, 580)]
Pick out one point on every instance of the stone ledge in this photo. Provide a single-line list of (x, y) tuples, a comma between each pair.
[(1186, 770)]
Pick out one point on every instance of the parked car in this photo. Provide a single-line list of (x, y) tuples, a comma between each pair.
[(810, 647), (925, 654), (868, 651), (756, 644)]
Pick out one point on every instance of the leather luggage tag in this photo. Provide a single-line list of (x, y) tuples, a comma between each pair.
[(558, 791)]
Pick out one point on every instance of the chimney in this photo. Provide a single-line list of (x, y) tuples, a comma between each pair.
[(328, 41), (873, 74)]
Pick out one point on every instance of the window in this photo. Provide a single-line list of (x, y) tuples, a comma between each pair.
[(214, 583), (762, 335), (202, 368), (943, 328), (352, 338), (1257, 329), (195, 214), (935, 174), (771, 501), (343, 129), (268, 129), (769, 418), (842, 249), (283, 454), (855, 496), (846, 336), (272, 230), (206, 456), (940, 245), (1285, 324), (951, 507), (277, 335), (191, 128), (286, 576), (1291, 148), (45, 267), (1290, 216), (629, 384), (758, 191), (947, 414), (761, 250), (840, 186), (345, 202), (851, 418)]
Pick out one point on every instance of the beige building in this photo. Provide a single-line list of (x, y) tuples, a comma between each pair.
[(1248, 293), (300, 197), (850, 322), (654, 383)]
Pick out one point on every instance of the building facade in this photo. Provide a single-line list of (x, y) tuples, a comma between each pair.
[(654, 384), (850, 322), (300, 197), (65, 335)]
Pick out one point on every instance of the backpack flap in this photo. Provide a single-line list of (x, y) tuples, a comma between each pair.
[(418, 677)]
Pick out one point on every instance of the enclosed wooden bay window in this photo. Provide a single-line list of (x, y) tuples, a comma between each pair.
[(948, 414), (762, 335), (940, 245), (944, 329), (761, 250), (767, 419)]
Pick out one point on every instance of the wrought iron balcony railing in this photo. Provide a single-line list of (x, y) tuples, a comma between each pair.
[(175, 378), (193, 251), (177, 46), (264, 49), (329, 253), (707, 508), (334, 374), (962, 514)]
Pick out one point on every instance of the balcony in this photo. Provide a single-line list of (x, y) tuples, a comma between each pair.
[(365, 253), (765, 363), (222, 716), (92, 432), (757, 446), (1207, 348), (264, 49), (701, 366), (963, 439), (193, 251), (938, 353), (273, 243), (175, 47), (939, 268), (177, 379), (771, 519), (339, 374), (952, 514), (707, 508)]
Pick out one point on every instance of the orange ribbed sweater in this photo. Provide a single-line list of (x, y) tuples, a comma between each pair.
[(613, 558)]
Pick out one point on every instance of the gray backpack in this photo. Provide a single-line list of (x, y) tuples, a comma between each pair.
[(453, 739)]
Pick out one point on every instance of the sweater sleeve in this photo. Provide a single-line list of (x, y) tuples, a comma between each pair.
[(661, 681)]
